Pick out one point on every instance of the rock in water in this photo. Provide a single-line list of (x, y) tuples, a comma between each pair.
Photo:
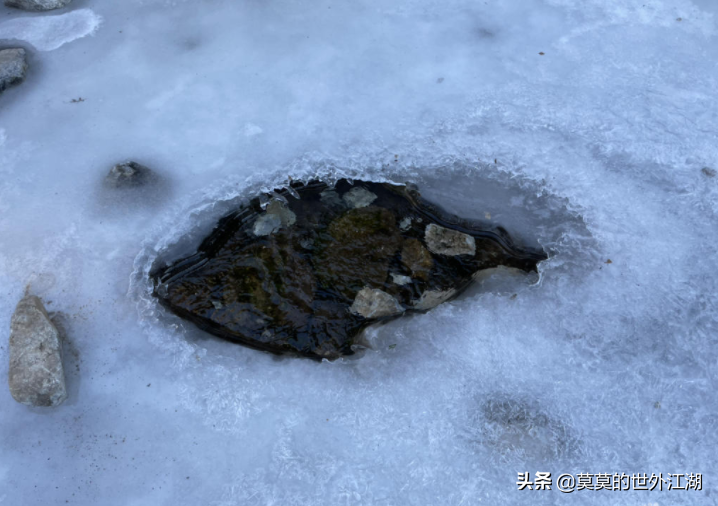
[(36, 375), (37, 5), (129, 175), (12, 67), (307, 272)]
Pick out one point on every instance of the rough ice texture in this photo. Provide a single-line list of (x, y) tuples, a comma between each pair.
[(12, 67), (37, 5), (50, 32), (36, 376), (599, 147)]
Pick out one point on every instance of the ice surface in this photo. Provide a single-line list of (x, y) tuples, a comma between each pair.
[(49, 32), (593, 149)]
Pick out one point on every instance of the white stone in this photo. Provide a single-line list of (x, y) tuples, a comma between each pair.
[(400, 279), (444, 241), (36, 376), (432, 298), (373, 303)]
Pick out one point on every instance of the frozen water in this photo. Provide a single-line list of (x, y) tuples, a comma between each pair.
[(581, 126), (49, 32)]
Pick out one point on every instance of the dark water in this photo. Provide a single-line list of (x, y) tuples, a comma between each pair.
[(305, 269)]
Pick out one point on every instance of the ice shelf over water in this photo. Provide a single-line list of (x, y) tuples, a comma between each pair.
[(584, 127)]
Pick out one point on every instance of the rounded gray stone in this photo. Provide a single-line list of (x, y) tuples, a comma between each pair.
[(12, 67), (36, 376)]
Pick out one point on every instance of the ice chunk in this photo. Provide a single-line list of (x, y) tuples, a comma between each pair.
[(46, 33)]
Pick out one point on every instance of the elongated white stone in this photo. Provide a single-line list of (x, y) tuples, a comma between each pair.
[(37, 5), (36, 376)]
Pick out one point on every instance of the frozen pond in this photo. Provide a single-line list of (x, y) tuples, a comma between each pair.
[(588, 128)]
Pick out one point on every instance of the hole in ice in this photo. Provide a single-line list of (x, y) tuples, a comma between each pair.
[(306, 268)]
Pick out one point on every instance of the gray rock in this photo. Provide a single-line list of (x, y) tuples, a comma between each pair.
[(331, 198), (707, 171), (444, 241), (276, 216), (12, 67), (37, 5), (129, 175), (432, 298), (359, 197), (371, 303), (266, 224), (36, 376)]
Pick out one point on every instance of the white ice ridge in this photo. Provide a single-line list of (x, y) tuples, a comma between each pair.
[(47, 33)]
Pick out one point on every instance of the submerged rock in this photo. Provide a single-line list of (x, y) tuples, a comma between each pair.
[(307, 272), (373, 303), (129, 175), (37, 5), (359, 197), (12, 67), (444, 241), (275, 217), (36, 376)]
